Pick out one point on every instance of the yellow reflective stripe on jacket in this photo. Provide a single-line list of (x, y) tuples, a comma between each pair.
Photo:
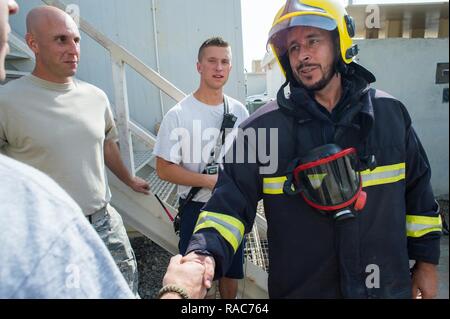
[(383, 175), (418, 226), (230, 228), (379, 176), (274, 185)]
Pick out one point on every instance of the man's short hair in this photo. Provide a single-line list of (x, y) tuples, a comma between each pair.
[(212, 42)]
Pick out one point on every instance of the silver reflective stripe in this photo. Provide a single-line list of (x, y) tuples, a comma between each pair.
[(236, 233), (419, 227), (273, 186), (383, 175)]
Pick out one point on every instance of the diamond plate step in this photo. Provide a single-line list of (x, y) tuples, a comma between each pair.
[(142, 158), (166, 191)]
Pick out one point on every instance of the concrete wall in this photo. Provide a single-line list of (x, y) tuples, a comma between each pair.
[(256, 83), (181, 28), (406, 69), (274, 77)]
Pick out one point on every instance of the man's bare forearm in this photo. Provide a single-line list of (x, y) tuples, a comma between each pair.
[(115, 163), (178, 175), (117, 166)]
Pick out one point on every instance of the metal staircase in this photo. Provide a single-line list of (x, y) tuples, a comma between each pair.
[(19, 60), (141, 212)]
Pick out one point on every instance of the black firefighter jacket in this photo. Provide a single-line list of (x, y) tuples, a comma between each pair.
[(311, 255)]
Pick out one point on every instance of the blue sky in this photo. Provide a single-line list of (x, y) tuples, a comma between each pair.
[(257, 18)]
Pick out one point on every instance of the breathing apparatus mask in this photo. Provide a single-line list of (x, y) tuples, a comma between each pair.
[(329, 180)]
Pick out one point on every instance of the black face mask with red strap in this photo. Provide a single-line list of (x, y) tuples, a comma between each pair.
[(329, 180)]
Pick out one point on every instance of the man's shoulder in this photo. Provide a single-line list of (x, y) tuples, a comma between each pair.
[(386, 106), (22, 177), (235, 102), (183, 106), (264, 115), (237, 105), (382, 100), (13, 86), (13, 91), (90, 88), (380, 94)]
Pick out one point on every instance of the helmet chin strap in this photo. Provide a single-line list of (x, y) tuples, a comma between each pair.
[(340, 66)]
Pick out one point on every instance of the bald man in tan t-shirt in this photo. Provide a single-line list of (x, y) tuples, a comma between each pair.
[(65, 128)]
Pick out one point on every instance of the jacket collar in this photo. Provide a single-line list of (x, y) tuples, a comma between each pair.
[(302, 105)]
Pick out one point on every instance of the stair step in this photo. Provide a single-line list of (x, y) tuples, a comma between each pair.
[(166, 191), (16, 55), (18, 48), (142, 158), (260, 208), (12, 75), (15, 74), (257, 249)]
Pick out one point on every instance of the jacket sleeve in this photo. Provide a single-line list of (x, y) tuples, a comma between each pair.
[(231, 211), (423, 221)]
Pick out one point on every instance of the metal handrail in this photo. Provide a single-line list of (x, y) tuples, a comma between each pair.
[(123, 54)]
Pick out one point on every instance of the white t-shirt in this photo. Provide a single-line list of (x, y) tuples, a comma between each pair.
[(189, 132)]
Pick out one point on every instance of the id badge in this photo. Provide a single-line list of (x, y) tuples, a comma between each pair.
[(212, 170)]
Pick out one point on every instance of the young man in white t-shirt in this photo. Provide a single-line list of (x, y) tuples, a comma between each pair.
[(188, 137)]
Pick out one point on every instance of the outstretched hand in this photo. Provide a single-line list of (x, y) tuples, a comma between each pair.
[(209, 264), (187, 275), (139, 185)]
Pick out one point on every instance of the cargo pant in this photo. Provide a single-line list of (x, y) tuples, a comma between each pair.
[(109, 225)]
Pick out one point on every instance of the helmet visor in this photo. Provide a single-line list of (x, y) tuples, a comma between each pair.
[(305, 20), (332, 182), (277, 35)]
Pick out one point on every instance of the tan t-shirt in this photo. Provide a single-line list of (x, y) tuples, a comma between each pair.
[(59, 129)]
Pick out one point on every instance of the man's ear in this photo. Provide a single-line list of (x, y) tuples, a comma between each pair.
[(199, 67), (32, 44)]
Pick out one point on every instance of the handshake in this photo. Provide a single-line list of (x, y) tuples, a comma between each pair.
[(188, 277)]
